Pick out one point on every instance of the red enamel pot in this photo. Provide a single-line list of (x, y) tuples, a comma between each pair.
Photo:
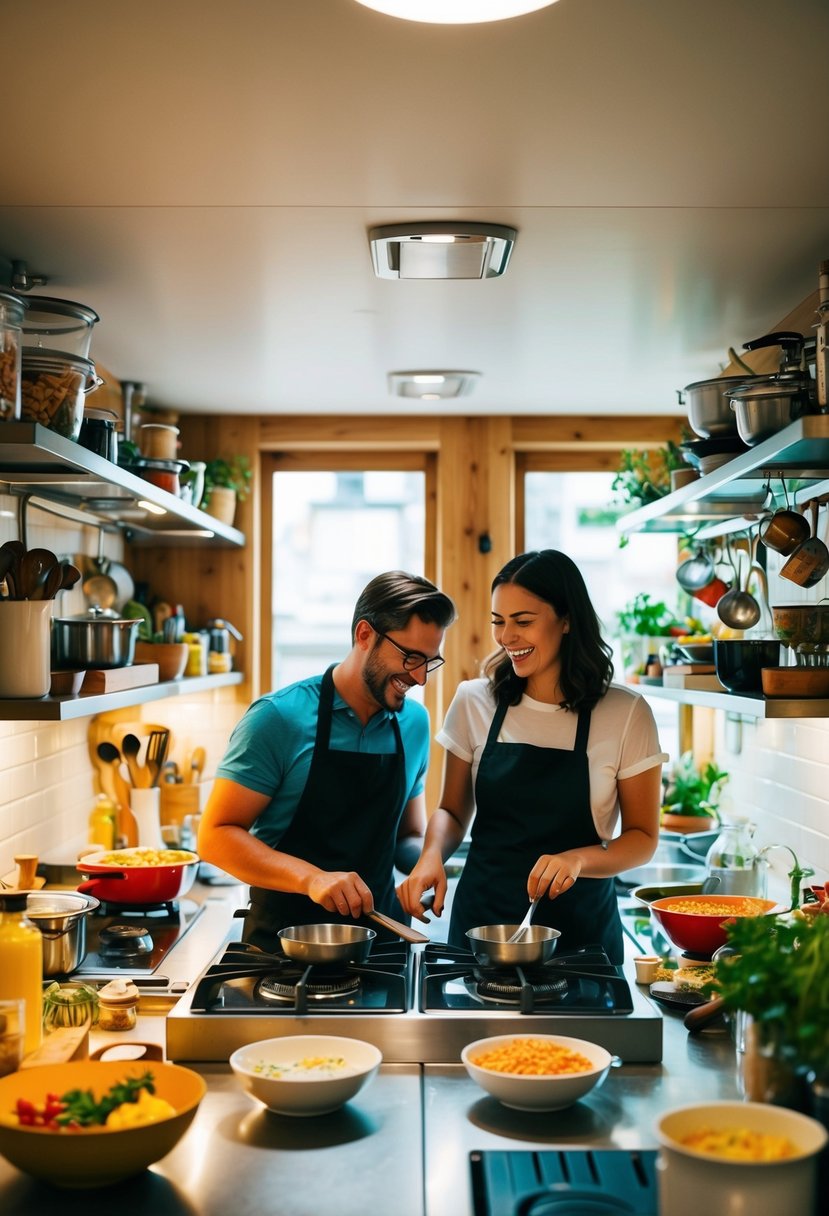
[(127, 879), (691, 926)]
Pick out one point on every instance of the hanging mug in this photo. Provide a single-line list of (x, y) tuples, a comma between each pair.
[(809, 562)]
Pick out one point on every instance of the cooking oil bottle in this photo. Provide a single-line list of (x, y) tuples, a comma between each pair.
[(103, 822), (21, 964)]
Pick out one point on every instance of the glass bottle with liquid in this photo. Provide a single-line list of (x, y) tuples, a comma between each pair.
[(103, 823), (735, 861), (21, 964)]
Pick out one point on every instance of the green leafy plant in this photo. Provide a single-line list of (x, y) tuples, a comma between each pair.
[(780, 976), (233, 474), (691, 790), (644, 476), (647, 617)]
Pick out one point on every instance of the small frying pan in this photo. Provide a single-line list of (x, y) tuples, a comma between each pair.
[(491, 946), (327, 943)]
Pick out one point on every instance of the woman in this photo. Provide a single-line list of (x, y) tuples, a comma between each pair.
[(561, 768)]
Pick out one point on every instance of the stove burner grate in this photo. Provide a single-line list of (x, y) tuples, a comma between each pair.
[(125, 939), (274, 988), (509, 990)]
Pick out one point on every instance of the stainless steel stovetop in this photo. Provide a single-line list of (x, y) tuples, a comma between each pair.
[(416, 1022)]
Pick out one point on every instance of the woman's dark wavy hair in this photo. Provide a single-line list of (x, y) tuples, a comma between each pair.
[(586, 665)]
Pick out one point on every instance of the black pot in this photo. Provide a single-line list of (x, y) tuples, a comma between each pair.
[(740, 662)]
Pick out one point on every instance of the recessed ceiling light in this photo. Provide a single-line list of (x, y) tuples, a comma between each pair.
[(432, 386), (455, 12), (441, 250)]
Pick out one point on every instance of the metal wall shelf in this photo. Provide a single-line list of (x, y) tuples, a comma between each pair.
[(750, 705), (37, 462), (61, 709), (735, 492)]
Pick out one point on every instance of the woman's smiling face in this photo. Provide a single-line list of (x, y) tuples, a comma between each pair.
[(530, 631)]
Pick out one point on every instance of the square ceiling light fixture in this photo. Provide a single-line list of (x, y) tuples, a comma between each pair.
[(432, 386), (441, 250)]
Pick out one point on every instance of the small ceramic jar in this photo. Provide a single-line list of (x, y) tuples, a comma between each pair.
[(118, 1005)]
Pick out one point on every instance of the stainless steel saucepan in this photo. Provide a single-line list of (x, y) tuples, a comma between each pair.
[(491, 946)]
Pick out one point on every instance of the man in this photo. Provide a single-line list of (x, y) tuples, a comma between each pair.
[(322, 779)]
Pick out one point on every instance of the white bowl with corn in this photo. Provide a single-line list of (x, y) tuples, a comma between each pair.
[(311, 1074), (536, 1072)]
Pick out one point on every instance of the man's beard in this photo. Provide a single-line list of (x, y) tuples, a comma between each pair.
[(378, 682)]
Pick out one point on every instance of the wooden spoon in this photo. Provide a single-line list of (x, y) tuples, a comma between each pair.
[(196, 765), (71, 575), (139, 773), (396, 926), (110, 755)]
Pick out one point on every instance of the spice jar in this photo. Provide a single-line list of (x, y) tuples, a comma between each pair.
[(117, 1005)]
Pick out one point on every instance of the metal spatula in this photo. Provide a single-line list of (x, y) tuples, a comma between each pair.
[(525, 923)]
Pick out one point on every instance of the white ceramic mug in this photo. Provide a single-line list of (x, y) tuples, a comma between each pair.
[(25, 648)]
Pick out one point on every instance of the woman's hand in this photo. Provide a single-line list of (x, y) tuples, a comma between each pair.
[(342, 892), (427, 875), (553, 874)]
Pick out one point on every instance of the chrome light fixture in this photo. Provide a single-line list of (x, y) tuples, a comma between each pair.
[(432, 385), (455, 12), (441, 250)]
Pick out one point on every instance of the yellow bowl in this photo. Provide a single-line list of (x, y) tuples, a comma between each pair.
[(100, 1156)]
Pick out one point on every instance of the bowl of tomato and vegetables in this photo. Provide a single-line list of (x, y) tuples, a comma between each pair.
[(91, 1123), (536, 1072)]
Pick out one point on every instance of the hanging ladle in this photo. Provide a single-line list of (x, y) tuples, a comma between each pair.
[(696, 572), (738, 609)]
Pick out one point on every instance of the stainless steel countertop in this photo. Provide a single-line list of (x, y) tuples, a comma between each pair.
[(401, 1147)]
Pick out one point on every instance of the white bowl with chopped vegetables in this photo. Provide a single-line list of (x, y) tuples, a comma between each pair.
[(536, 1072), (306, 1074)]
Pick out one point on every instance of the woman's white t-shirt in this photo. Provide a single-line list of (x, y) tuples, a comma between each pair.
[(623, 738)]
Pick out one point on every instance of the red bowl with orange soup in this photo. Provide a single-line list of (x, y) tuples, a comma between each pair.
[(698, 923)]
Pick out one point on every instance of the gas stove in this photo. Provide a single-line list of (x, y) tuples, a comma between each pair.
[(131, 940), (420, 1005)]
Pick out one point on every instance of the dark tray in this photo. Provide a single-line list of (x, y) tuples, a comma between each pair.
[(607, 1182)]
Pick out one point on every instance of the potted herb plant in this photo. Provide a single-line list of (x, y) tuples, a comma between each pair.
[(776, 983), (644, 625), (644, 476), (691, 795), (226, 482)]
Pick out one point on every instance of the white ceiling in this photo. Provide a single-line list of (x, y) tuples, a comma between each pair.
[(204, 174)]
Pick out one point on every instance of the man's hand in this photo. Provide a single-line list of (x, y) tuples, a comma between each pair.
[(341, 892)]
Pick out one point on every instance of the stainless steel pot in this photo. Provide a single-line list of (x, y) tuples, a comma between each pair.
[(767, 404), (709, 412), (491, 947), (61, 918), (93, 640)]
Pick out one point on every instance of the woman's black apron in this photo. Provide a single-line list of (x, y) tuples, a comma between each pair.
[(529, 801), (347, 819)]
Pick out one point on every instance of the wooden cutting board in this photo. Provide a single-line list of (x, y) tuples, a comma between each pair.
[(116, 679)]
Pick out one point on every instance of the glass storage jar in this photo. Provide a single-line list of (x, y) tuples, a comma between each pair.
[(58, 325), (53, 389), (11, 320), (118, 1005)]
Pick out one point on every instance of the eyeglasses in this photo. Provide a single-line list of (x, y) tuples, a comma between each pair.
[(413, 660)]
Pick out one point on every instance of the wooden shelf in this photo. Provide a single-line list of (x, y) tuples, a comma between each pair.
[(62, 709), (748, 704)]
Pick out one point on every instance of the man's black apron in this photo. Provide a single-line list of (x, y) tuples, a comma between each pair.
[(529, 801), (347, 819)]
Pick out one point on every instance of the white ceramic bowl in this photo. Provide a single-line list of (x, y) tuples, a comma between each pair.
[(691, 1182), (537, 1093), (306, 1091)]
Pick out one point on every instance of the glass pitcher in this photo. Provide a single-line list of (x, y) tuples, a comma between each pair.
[(735, 861)]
